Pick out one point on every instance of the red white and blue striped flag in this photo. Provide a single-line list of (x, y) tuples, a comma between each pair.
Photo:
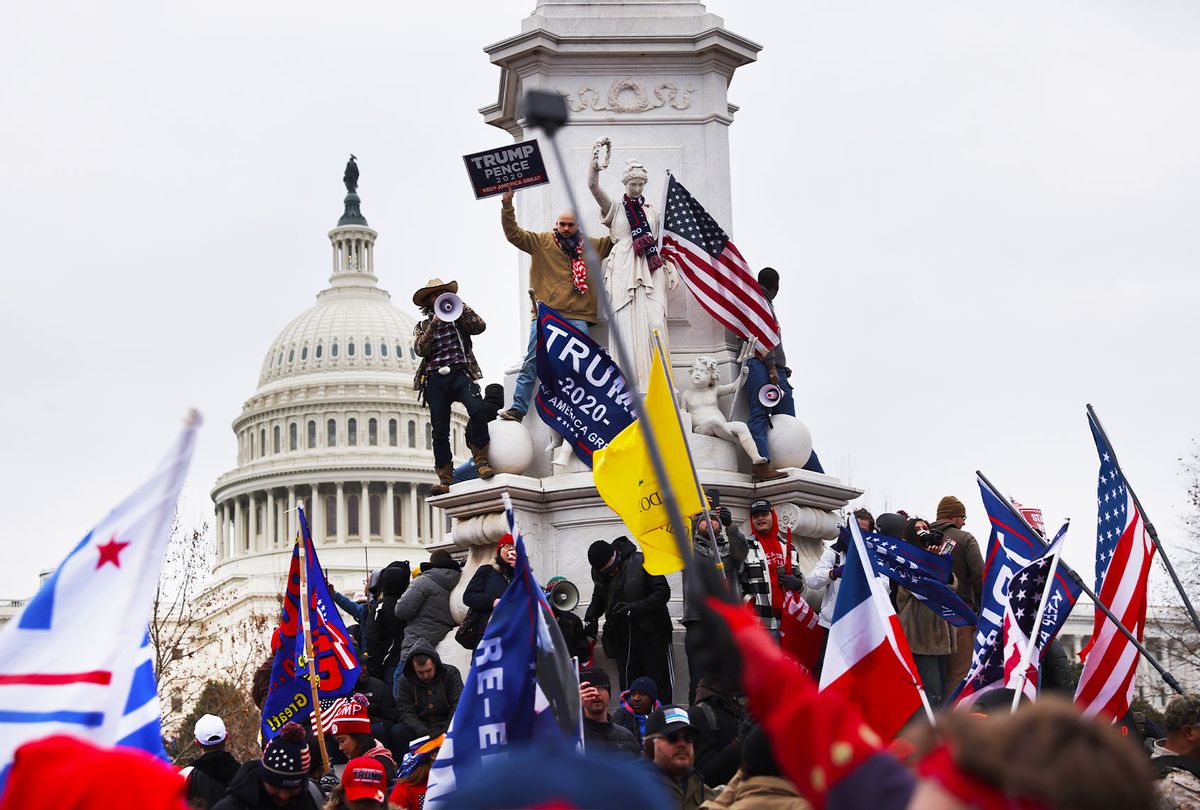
[(1124, 552), (714, 270), (77, 660)]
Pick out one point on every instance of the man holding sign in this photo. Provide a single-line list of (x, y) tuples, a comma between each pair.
[(558, 277)]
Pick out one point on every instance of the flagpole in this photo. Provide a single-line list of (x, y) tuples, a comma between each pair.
[(1083, 586), (1027, 653), (868, 569), (1150, 530), (625, 361), (712, 537), (313, 680)]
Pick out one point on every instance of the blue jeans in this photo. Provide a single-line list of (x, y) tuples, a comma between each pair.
[(523, 392), (465, 472), (759, 423)]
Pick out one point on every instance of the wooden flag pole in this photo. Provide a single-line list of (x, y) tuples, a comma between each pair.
[(313, 680), (1150, 530)]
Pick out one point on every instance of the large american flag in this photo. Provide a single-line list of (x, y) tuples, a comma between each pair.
[(1123, 555), (714, 270)]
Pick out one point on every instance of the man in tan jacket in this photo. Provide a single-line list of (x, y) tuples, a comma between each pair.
[(968, 574), (558, 277)]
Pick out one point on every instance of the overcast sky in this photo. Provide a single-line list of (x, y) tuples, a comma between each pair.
[(984, 215)]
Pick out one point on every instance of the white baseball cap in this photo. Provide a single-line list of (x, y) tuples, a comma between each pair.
[(210, 730)]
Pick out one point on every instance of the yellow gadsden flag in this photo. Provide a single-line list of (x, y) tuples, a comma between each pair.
[(625, 478)]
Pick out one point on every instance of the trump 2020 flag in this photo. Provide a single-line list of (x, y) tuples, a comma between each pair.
[(581, 392), (503, 704), (290, 693), (77, 660), (867, 658)]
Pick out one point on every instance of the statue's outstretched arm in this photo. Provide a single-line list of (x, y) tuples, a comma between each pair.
[(593, 181)]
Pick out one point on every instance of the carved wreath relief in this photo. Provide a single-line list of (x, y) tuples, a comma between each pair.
[(630, 96)]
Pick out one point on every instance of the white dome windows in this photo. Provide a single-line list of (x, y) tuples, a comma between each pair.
[(382, 348), (352, 430), (331, 433), (320, 350), (333, 349), (393, 431), (303, 353), (373, 430), (275, 444), (350, 349), (412, 434), (293, 437), (312, 434)]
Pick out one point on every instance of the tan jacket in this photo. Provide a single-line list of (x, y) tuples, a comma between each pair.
[(550, 269), (758, 793)]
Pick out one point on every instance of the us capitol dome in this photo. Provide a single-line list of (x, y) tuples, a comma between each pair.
[(334, 426)]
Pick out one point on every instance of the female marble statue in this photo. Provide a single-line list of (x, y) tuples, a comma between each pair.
[(707, 419), (635, 277)]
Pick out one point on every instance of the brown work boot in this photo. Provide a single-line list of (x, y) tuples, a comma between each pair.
[(511, 415), (445, 476), (763, 471), (479, 456)]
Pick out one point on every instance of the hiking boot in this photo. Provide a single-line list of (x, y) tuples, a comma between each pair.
[(445, 476), (479, 456), (511, 415), (763, 471)]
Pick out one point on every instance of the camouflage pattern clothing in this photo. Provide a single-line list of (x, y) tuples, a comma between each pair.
[(1178, 789)]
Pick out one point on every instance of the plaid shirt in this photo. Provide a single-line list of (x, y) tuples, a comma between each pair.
[(424, 335), (446, 349)]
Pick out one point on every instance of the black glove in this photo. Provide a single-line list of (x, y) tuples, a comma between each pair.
[(328, 782), (791, 582), (726, 516), (619, 609), (591, 629)]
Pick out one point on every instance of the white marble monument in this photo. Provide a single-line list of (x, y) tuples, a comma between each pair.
[(653, 77)]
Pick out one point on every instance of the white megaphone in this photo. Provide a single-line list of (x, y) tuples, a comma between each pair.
[(770, 395), (447, 307), (562, 593)]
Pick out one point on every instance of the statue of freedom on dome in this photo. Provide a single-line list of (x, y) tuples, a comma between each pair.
[(350, 178)]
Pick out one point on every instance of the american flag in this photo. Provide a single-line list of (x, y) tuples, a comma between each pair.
[(714, 270), (800, 633), (1123, 555), (1025, 591)]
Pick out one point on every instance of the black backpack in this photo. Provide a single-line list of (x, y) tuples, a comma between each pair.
[(1174, 762)]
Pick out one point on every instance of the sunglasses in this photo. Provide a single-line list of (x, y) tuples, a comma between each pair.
[(686, 734)]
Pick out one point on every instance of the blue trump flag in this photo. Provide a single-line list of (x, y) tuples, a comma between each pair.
[(924, 574), (503, 705), (290, 695), (581, 392), (1012, 546)]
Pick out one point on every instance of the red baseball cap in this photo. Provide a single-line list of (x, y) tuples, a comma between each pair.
[(364, 778)]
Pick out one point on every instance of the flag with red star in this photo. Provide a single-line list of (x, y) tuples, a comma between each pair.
[(77, 659)]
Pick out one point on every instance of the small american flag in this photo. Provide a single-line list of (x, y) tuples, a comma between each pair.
[(1025, 591), (800, 634), (1124, 552), (714, 270)]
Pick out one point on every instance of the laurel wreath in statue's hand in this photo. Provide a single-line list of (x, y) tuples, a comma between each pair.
[(606, 145)]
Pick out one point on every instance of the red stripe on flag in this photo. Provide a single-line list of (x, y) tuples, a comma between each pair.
[(57, 679), (879, 673), (728, 302)]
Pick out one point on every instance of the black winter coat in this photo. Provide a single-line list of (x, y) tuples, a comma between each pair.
[(571, 626), (597, 735), (718, 748), (386, 631), (488, 584), (209, 777), (246, 793), (381, 703), (646, 596)]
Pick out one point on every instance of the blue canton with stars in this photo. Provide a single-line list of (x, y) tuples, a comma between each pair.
[(688, 218), (924, 574), (1111, 506)]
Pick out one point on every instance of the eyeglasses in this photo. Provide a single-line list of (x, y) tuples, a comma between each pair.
[(687, 734)]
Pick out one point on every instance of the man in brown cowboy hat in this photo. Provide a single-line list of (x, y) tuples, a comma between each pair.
[(447, 375)]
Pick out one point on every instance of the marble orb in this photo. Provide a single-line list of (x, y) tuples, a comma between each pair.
[(511, 448), (788, 441)]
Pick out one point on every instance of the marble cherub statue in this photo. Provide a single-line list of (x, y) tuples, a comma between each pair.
[(636, 277), (707, 419)]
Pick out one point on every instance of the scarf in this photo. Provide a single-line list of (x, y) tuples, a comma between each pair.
[(778, 556), (574, 250), (644, 242)]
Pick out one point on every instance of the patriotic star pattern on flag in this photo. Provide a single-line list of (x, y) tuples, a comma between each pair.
[(1025, 591), (1124, 552), (714, 270), (924, 574), (77, 659)]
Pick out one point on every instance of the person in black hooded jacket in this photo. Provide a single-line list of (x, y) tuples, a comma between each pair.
[(279, 779), (637, 626), (491, 581), (208, 776), (385, 635)]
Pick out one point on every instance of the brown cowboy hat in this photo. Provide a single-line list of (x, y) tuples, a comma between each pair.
[(434, 287)]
